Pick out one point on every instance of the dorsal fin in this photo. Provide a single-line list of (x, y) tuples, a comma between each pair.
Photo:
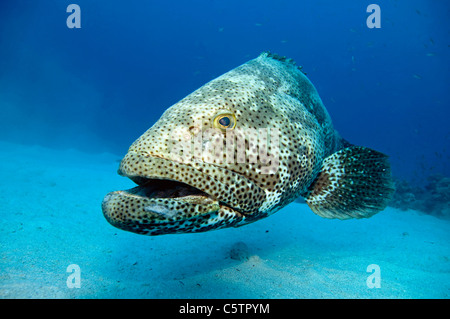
[(282, 59)]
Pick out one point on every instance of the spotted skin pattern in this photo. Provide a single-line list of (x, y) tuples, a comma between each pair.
[(197, 189)]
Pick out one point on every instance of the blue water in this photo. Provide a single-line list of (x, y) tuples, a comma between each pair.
[(97, 88), (101, 86)]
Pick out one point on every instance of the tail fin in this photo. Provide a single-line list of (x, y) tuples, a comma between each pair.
[(354, 182)]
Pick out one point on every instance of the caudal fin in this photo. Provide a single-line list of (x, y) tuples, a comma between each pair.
[(354, 182)]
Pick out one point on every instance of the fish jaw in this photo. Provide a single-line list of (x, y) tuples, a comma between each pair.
[(168, 201), (228, 187)]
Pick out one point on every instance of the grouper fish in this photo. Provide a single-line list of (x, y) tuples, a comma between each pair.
[(240, 148)]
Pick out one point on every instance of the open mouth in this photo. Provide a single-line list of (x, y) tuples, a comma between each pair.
[(175, 189), (161, 206), (162, 188), (172, 197)]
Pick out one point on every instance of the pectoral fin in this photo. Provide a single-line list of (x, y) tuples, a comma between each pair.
[(354, 182)]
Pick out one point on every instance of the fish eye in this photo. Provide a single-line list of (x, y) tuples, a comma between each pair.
[(225, 121)]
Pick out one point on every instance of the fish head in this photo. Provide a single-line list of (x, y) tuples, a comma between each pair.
[(218, 158)]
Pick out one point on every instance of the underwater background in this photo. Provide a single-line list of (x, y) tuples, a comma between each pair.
[(72, 100)]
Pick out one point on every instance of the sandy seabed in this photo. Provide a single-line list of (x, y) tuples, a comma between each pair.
[(50, 218)]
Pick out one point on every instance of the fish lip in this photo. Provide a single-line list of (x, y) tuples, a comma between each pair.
[(150, 221)]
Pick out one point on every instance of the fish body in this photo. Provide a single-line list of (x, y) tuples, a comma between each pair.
[(240, 148)]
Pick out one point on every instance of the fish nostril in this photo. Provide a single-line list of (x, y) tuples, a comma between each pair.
[(193, 130)]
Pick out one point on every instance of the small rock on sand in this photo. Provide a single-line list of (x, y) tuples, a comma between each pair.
[(240, 251)]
